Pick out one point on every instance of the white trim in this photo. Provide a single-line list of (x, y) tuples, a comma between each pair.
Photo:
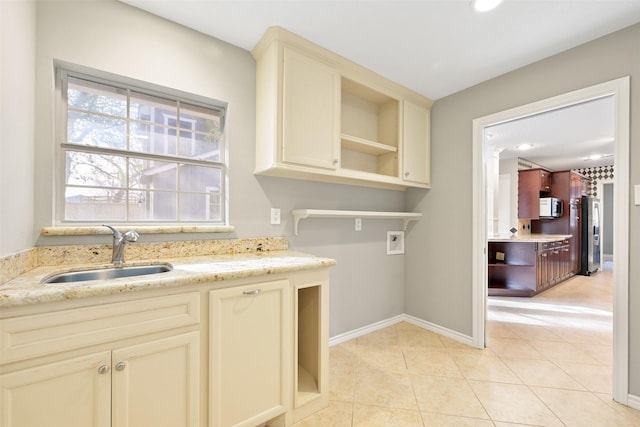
[(620, 89), (355, 333), (600, 189), (457, 336), (479, 239), (449, 333), (634, 402)]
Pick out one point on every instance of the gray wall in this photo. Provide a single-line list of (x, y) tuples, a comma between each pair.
[(366, 285), (438, 274)]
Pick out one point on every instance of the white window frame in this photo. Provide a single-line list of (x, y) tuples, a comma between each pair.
[(61, 146)]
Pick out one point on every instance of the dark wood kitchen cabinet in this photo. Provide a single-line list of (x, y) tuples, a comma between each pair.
[(569, 187), (532, 184), (527, 267), (512, 268)]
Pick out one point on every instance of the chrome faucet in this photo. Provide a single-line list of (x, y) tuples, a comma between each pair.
[(119, 240)]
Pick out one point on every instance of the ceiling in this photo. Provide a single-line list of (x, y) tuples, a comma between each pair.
[(561, 139), (435, 47)]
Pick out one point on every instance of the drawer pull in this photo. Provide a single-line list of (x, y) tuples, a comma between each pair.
[(120, 366), (254, 292), (103, 369)]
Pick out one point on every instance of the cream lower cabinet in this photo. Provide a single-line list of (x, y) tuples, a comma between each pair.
[(136, 361), (157, 383), (151, 384), (119, 364), (61, 394), (249, 353)]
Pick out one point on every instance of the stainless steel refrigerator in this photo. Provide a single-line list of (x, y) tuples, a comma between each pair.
[(590, 250)]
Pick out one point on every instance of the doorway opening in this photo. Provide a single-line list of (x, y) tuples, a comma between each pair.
[(619, 89)]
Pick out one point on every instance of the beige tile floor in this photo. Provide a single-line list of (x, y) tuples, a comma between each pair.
[(548, 363)]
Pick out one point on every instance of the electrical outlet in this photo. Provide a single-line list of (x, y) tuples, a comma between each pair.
[(275, 216), (358, 224)]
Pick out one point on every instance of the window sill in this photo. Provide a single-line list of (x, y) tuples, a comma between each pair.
[(142, 229)]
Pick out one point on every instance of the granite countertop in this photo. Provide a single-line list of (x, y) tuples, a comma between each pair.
[(28, 289), (531, 238)]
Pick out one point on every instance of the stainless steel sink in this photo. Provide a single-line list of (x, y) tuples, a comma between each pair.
[(108, 273)]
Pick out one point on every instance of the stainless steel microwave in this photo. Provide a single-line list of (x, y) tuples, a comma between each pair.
[(550, 207)]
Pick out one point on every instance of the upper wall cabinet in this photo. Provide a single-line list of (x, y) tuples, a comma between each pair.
[(310, 122), (322, 117)]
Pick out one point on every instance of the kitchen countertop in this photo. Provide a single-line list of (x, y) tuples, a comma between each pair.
[(28, 289), (531, 238)]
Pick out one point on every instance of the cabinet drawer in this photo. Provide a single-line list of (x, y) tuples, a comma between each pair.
[(36, 335)]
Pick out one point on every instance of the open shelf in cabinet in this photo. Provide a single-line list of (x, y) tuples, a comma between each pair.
[(370, 129), (308, 344), (354, 143)]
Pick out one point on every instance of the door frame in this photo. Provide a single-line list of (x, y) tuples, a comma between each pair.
[(620, 89)]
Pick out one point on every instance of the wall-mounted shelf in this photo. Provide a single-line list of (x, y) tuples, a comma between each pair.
[(299, 214)]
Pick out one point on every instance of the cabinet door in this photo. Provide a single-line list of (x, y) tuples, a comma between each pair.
[(248, 353), (416, 137), (157, 383), (545, 181), (75, 392), (310, 112)]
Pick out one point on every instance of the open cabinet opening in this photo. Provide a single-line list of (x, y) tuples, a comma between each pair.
[(308, 351)]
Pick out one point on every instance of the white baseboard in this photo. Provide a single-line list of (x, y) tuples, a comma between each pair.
[(365, 330), (449, 333), (634, 402), (465, 339)]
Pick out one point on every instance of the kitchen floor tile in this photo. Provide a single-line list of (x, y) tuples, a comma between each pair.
[(389, 359), (389, 389), (508, 347), (484, 368), (338, 414), (450, 396), (579, 408), (563, 352), (437, 362), (596, 378), (377, 416), (500, 330), (513, 403), (542, 373), (442, 420)]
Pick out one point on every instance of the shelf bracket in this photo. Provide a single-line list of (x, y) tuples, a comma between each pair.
[(297, 216)]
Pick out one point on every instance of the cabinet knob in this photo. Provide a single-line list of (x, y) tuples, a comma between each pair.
[(120, 366), (254, 292), (335, 162), (103, 369), (406, 174)]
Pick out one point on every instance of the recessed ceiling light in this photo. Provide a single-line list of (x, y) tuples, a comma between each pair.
[(484, 5), (597, 156), (524, 147)]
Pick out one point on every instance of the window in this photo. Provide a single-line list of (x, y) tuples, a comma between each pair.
[(138, 156)]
